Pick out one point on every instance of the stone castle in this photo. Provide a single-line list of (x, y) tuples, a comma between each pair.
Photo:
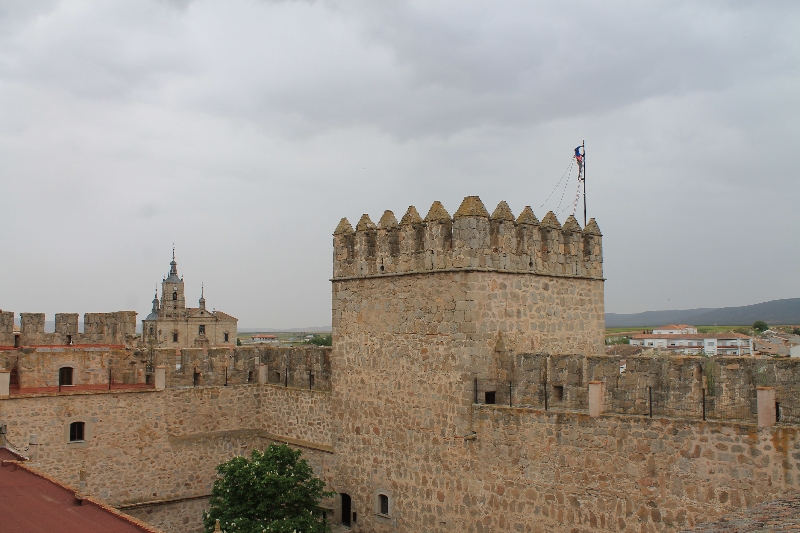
[(466, 390)]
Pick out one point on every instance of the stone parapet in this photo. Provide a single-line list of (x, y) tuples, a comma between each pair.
[(118, 328), (470, 240)]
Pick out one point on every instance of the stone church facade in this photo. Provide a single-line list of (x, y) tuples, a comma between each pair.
[(172, 324)]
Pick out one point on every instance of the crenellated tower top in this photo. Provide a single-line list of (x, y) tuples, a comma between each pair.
[(470, 240)]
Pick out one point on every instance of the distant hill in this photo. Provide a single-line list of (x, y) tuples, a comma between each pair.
[(775, 312)]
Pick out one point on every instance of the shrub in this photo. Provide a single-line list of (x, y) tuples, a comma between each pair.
[(272, 492)]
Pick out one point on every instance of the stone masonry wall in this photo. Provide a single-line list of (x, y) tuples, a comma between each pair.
[(406, 351), (529, 470), (471, 239), (118, 328), (39, 367), (158, 446)]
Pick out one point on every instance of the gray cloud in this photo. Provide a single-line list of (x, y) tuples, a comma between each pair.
[(243, 131)]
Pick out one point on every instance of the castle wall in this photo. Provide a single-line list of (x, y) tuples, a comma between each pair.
[(39, 367), (34, 367), (118, 328), (160, 446), (238, 365), (535, 471), (6, 328)]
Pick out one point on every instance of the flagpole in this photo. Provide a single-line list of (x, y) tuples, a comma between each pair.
[(583, 144)]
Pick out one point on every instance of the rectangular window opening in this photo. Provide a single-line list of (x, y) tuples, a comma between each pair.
[(558, 393), (65, 375), (174, 337), (76, 431), (202, 330), (489, 397), (226, 337), (384, 501)]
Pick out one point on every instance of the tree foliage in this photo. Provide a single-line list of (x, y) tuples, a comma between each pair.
[(760, 326), (321, 340), (272, 492)]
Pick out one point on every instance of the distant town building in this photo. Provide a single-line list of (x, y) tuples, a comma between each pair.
[(778, 344), (691, 342), (172, 324), (263, 338)]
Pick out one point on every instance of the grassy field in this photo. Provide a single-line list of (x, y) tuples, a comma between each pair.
[(292, 338)]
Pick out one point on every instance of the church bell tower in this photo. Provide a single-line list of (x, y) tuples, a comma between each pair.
[(173, 299)]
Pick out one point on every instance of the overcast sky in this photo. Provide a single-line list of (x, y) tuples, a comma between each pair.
[(243, 131)]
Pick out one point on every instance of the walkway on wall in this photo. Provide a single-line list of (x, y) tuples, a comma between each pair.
[(65, 389)]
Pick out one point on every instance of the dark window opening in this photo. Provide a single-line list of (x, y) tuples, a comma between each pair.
[(196, 378), (489, 397), (355, 517), (76, 431), (174, 337), (558, 393), (69, 340), (151, 330), (250, 376), (174, 295), (777, 411), (16, 341), (202, 330), (384, 501), (226, 337), (65, 375), (347, 510)]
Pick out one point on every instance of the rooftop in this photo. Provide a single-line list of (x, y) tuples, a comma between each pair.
[(35, 503), (729, 335)]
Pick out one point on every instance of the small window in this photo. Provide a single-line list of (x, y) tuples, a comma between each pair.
[(151, 330), (65, 376), (489, 397), (383, 500), (76, 431), (174, 296), (202, 329), (174, 337), (558, 393), (226, 337)]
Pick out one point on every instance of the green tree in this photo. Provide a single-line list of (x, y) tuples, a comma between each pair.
[(272, 492), (321, 340), (760, 326)]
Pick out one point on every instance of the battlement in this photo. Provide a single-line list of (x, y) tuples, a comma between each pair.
[(98, 328), (470, 240)]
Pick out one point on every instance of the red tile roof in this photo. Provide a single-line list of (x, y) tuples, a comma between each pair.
[(32, 502)]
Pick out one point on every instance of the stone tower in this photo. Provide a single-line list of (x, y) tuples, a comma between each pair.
[(173, 299), (422, 308)]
